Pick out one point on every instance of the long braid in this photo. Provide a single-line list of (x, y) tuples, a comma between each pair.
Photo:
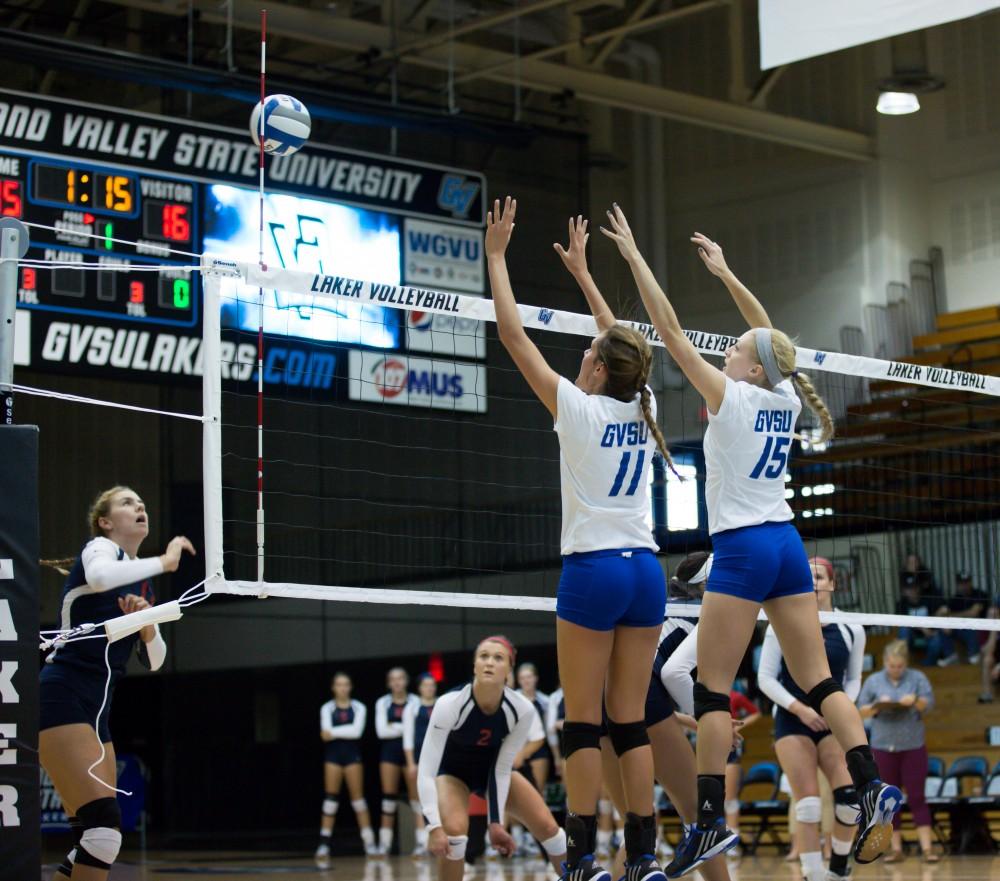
[(59, 565), (815, 403)]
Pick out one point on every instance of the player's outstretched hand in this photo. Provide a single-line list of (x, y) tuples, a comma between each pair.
[(574, 257), (171, 557), (621, 234), (711, 254), (499, 226)]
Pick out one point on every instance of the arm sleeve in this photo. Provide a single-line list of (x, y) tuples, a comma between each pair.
[(381, 722), (676, 673), (152, 654), (355, 729), (409, 723), (499, 785), (326, 718), (443, 718), (104, 571), (852, 678), (770, 668)]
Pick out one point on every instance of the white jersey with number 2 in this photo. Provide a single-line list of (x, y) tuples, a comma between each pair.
[(605, 453), (746, 454)]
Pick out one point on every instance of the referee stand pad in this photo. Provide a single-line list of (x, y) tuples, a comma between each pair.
[(20, 821)]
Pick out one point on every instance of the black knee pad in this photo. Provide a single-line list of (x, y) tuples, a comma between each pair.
[(101, 838), (706, 701), (821, 692), (846, 805), (627, 735), (579, 735)]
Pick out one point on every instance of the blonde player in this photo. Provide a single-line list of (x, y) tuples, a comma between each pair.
[(758, 554)]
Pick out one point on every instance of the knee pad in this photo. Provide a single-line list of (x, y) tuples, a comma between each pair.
[(456, 847), (627, 735), (359, 805), (330, 805), (846, 805), (415, 807), (604, 807), (555, 845), (102, 838), (821, 692), (809, 809), (389, 805), (706, 701), (731, 805), (580, 735)]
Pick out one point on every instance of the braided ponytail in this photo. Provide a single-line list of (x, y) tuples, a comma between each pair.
[(59, 565), (647, 414), (815, 403)]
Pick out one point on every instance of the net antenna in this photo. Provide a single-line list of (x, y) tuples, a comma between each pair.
[(260, 302)]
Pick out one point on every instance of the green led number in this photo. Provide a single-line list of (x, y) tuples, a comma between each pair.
[(182, 293)]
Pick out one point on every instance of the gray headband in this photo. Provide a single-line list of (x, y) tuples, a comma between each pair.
[(765, 351)]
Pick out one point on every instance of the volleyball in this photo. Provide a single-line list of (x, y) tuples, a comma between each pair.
[(286, 124)]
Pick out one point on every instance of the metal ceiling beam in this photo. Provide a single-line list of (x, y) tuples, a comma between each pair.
[(608, 48), (622, 30), (314, 27)]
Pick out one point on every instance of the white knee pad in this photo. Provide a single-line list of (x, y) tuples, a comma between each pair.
[(809, 809), (359, 805), (388, 806), (330, 806), (849, 815), (604, 806), (731, 805), (102, 843), (456, 847), (555, 845)]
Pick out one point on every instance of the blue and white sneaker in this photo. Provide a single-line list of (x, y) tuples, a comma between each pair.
[(585, 871), (879, 804), (644, 869), (699, 845)]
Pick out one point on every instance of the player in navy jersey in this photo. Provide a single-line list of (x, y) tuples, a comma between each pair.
[(389, 711), (758, 555), (609, 604), (341, 727), (803, 740), (106, 581), (416, 717), (474, 735), (540, 761)]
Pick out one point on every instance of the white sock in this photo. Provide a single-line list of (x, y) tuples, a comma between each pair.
[(385, 839), (367, 836), (813, 867), (421, 837), (604, 840), (325, 833)]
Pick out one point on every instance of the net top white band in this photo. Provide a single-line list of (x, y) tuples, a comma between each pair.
[(410, 298)]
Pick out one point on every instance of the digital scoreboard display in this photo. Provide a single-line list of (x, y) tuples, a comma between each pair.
[(87, 213)]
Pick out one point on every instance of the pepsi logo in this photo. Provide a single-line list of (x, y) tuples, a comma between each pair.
[(420, 320)]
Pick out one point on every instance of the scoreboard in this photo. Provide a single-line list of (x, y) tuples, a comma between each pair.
[(124, 192), (86, 213)]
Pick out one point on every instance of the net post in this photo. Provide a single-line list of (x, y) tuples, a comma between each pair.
[(211, 384), (13, 246)]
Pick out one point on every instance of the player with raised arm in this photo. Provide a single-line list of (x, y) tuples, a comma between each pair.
[(759, 559), (612, 591)]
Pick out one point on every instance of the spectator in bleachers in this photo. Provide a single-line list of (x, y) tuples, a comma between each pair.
[(917, 596), (988, 657), (896, 698), (967, 602)]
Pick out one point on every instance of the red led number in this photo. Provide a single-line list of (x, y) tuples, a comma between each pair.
[(28, 280), (176, 226), (137, 292), (10, 198)]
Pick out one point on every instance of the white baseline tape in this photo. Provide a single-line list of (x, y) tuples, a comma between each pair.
[(389, 596), (411, 298)]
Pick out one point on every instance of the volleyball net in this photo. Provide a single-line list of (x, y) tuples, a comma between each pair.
[(430, 476)]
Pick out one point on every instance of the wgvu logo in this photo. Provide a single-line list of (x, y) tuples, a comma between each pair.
[(457, 194)]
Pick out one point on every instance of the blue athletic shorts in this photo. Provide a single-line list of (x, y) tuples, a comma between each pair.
[(601, 590), (391, 751), (659, 703), (787, 724), (70, 696), (342, 752), (759, 563)]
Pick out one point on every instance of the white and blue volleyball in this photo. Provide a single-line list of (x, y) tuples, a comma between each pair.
[(286, 124)]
